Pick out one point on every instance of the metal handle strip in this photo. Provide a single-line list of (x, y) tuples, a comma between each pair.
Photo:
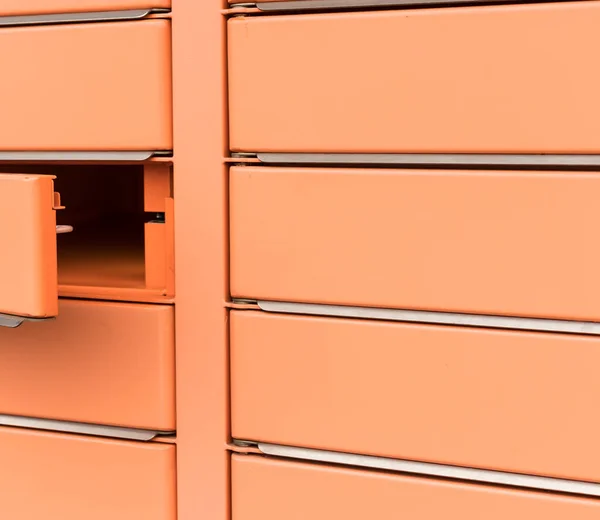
[(437, 160), (78, 156), (312, 5), (64, 18), (96, 430), (439, 318), (433, 470)]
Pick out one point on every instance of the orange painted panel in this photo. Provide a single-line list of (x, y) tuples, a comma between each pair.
[(31, 7), (28, 272), (272, 489), (502, 400), (424, 80), (98, 362), (507, 243), (47, 475), (102, 86)]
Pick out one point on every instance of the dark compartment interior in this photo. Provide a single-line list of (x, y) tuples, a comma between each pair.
[(105, 206)]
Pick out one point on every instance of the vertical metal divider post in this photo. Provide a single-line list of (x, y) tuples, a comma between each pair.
[(200, 186)]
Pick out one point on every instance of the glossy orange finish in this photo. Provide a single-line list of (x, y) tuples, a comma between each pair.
[(158, 182), (159, 254), (98, 362), (31, 7), (155, 235), (511, 78), (470, 397), (28, 261), (461, 241), (71, 477), (200, 189), (271, 490), (101, 86)]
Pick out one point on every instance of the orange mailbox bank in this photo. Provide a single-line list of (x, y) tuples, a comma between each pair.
[(299, 259)]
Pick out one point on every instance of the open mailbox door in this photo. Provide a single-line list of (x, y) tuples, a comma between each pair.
[(28, 259)]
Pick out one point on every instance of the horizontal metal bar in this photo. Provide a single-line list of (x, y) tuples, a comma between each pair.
[(460, 159), (96, 430), (440, 318), (62, 18), (313, 5), (78, 156), (434, 470), (12, 322)]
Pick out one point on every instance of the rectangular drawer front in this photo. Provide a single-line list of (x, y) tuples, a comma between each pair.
[(103, 86), (72, 478), (32, 7), (500, 79), (271, 490), (512, 401), (99, 362), (508, 243)]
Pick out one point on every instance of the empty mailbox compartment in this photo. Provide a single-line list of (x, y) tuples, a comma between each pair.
[(36, 7), (487, 79), (483, 242), (109, 363), (73, 477), (491, 399), (274, 489), (86, 87), (121, 247), (122, 243)]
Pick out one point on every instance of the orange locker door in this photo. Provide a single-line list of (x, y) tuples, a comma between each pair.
[(487, 79), (28, 264), (481, 398), (479, 242), (86, 87), (72, 477), (115, 361), (272, 489)]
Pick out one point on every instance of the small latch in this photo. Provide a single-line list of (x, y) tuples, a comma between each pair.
[(57, 205)]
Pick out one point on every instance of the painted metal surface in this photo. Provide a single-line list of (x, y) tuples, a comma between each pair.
[(501, 400), (86, 87), (201, 259), (72, 477), (274, 489), (484, 79), (98, 362), (28, 264), (475, 242)]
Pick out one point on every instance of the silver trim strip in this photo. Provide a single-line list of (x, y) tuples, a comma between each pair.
[(440, 318), (95, 16), (13, 322), (311, 5), (435, 159), (79, 428), (77, 156), (434, 470)]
